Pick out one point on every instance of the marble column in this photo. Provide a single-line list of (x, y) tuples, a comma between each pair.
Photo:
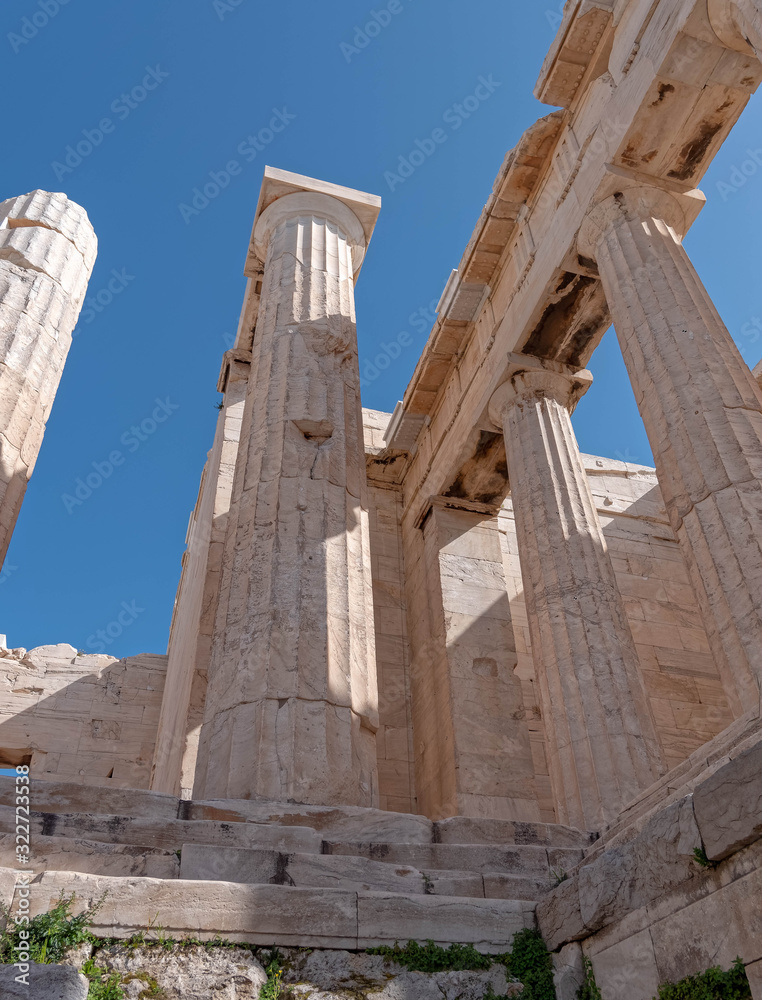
[(702, 410), (47, 253), (602, 745), (292, 702), (738, 23)]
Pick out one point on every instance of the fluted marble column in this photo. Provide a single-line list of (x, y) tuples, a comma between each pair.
[(602, 745), (47, 253), (292, 703), (702, 410)]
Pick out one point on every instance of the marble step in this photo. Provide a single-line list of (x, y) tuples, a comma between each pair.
[(344, 823), (200, 862), (164, 834), (93, 857), (525, 860), (280, 915), (536, 862)]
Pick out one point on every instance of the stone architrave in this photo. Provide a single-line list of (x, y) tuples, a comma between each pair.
[(47, 253), (292, 702), (602, 745), (702, 410)]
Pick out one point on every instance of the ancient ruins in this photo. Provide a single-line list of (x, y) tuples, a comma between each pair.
[(434, 674)]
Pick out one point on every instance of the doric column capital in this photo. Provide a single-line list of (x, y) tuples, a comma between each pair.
[(633, 204), (310, 204), (738, 24), (527, 384)]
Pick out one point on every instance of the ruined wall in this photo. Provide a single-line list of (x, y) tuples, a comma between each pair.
[(85, 719), (643, 910)]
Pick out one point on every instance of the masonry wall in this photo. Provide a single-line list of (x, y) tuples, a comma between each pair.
[(85, 719)]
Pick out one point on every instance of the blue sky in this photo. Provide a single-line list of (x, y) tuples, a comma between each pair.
[(208, 76)]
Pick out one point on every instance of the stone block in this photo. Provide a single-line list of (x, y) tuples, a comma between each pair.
[(488, 924), (628, 970), (559, 915), (169, 835), (257, 914), (568, 971), (484, 858), (92, 857), (497, 886), (69, 797), (468, 830), (346, 823), (46, 982), (754, 971), (626, 877), (712, 929), (728, 805)]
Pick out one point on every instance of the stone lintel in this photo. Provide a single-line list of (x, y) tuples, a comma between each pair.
[(277, 184), (456, 503)]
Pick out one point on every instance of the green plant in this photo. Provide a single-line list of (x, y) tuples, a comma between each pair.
[(103, 985), (52, 934), (714, 984), (589, 989), (272, 989), (531, 964), (559, 875), (431, 957), (699, 856)]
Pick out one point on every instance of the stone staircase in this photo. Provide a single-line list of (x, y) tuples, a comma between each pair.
[(159, 855)]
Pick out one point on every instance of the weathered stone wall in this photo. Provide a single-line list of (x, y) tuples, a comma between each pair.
[(85, 719), (642, 907)]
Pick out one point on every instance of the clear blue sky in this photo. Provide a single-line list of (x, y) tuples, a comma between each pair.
[(231, 67)]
